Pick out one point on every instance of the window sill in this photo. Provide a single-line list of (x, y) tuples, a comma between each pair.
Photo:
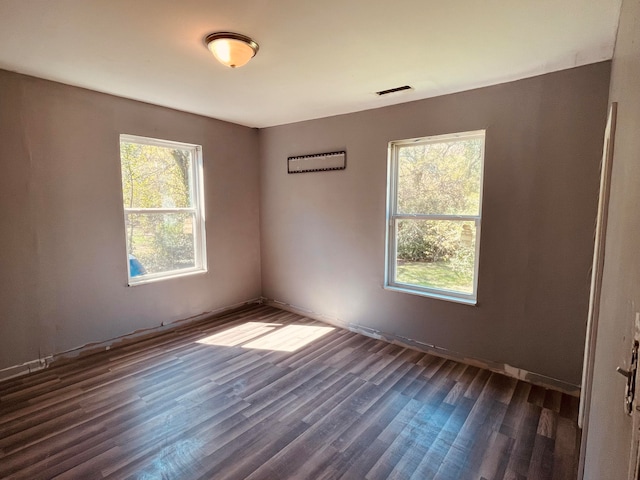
[(134, 282), (436, 295)]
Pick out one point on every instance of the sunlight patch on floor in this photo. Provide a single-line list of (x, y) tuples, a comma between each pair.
[(240, 334), (267, 336), (289, 338)]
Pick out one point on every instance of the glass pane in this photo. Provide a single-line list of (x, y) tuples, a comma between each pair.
[(160, 242), (155, 177), (436, 253), (440, 178)]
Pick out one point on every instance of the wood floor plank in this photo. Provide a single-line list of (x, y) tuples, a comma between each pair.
[(425, 456), (360, 446), (225, 398), (495, 463), (361, 462), (524, 442)]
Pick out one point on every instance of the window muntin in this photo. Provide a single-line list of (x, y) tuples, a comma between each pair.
[(434, 212), (163, 208)]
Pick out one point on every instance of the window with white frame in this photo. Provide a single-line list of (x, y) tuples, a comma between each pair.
[(434, 205), (163, 208)]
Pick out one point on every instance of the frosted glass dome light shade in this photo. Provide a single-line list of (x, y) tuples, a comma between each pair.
[(231, 49)]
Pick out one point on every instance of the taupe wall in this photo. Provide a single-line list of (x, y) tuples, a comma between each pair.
[(609, 432), (322, 234), (62, 243)]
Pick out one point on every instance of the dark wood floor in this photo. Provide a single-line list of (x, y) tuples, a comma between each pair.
[(240, 397)]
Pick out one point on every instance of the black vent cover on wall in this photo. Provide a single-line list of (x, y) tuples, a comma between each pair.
[(394, 90)]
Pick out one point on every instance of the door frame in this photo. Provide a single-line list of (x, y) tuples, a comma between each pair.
[(596, 281)]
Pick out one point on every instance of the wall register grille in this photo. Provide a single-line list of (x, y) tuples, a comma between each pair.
[(319, 162)]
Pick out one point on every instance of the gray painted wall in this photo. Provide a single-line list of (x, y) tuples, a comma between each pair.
[(323, 234), (62, 247), (609, 433)]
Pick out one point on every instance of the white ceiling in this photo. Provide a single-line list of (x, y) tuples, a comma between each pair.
[(317, 57)]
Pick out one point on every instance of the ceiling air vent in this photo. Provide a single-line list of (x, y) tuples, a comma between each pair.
[(393, 90)]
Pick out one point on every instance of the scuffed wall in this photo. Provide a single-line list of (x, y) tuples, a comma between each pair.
[(319, 244), (62, 248), (323, 234)]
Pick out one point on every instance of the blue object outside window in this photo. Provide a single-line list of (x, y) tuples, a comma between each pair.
[(135, 267)]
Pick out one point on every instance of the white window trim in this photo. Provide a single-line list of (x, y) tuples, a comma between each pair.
[(393, 217), (200, 246)]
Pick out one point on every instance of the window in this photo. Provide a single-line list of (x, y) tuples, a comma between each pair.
[(163, 208), (433, 215)]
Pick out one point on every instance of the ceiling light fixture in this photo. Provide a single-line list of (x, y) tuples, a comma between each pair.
[(231, 49)]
